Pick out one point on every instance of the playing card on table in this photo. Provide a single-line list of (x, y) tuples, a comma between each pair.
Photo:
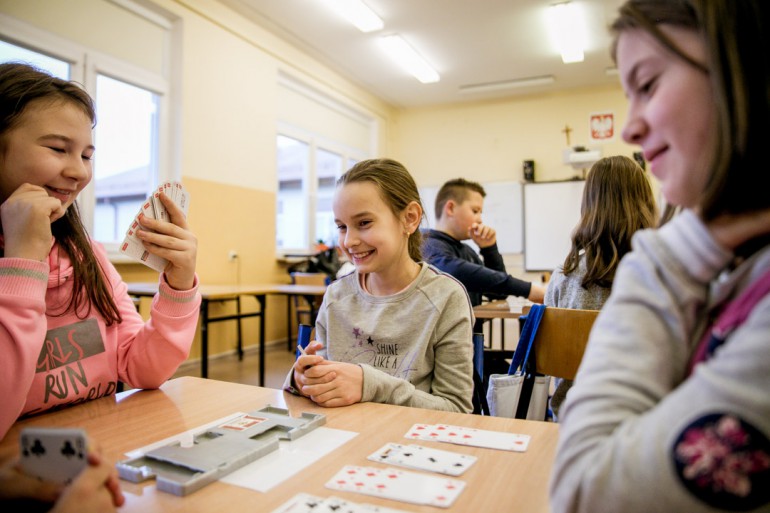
[(399, 485), (306, 503), (469, 436), (300, 503), (153, 208), (424, 458)]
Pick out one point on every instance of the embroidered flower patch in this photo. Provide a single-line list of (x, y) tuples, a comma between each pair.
[(725, 462)]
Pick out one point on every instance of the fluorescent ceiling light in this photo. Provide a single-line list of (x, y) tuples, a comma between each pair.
[(567, 29), (507, 84), (406, 57), (357, 13)]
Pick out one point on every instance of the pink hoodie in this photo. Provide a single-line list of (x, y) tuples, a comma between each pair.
[(50, 360)]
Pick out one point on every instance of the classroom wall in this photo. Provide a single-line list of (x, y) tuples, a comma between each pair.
[(488, 141)]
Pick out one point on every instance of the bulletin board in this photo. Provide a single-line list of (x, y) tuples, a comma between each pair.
[(502, 211), (551, 212)]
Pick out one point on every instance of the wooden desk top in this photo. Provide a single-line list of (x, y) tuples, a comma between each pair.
[(499, 481), (212, 292), (499, 309)]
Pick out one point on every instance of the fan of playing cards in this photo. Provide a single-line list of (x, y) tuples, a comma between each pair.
[(154, 209)]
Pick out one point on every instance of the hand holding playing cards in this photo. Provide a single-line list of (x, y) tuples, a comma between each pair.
[(326, 383), (26, 216), (172, 241), (160, 238), (95, 489)]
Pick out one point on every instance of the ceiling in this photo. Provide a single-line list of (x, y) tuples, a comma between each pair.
[(466, 41)]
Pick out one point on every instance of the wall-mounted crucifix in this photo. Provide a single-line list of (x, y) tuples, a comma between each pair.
[(567, 130)]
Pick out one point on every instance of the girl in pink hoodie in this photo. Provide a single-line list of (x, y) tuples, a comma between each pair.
[(68, 329)]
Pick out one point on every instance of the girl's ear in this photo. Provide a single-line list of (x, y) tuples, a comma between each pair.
[(412, 215)]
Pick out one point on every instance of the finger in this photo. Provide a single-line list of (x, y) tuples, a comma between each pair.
[(313, 347), (175, 213), (163, 227), (162, 241), (306, 361), (319, 374)]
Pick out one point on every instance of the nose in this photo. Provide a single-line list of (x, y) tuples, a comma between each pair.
[(78, 169), (634, 130), (350, 240)]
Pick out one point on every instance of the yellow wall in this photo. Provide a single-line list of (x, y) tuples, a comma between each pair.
[(487, 141)]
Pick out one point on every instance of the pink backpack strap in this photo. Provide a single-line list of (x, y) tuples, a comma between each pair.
[(731, 316)]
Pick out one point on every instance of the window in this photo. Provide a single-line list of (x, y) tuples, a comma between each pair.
[(319, 138), (307, 177), (293, 158), (126, 160), (129, 135)]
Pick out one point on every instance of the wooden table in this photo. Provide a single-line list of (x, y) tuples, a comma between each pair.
[(500, 309), (219, 293), (498, 481)]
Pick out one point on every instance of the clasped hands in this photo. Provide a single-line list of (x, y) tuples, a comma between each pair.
[(327, 383)]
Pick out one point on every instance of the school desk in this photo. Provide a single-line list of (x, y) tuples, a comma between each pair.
[(220, 293), (498, 481), (500, 309)]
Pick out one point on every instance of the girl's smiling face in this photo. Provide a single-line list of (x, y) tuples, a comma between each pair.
[(50, 146), (672, 113), (373, 238)]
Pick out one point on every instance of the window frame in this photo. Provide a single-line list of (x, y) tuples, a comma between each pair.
[(85, 65), (310, 180)]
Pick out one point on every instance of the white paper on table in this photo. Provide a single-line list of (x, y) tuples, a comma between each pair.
[(290, 458)]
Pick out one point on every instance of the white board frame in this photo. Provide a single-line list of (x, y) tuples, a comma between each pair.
[(551, 212)]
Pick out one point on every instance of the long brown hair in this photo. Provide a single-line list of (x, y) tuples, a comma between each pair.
[(617, 201), (397, 189), (732, 32), (20, 86)]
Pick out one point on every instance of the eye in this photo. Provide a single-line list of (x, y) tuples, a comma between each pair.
[(57, 150), (87, 157), (341, 227), (646, 87), (364, 223)]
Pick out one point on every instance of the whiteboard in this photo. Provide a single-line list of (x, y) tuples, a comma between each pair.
[(551, 212), (502, 211)]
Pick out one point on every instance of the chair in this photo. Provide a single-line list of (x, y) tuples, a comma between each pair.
[(305, 308), (561, 340), (480, 405)]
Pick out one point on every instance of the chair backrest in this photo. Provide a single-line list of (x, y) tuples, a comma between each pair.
[(308, 278), (299, 278), (561, 340)]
